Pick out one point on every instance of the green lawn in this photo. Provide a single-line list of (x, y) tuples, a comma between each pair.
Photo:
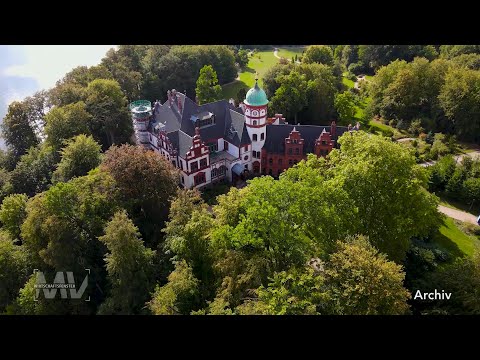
[(288, 52), (379, 126), (453, 240), (348, 83), (260, 62)]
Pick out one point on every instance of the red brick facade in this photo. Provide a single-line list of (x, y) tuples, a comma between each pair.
[(275, 163)]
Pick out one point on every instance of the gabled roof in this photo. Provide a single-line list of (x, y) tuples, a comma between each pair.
[(180, 141), (276, 135), (226, 117)]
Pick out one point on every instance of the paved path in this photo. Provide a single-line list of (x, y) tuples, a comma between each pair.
[(359, 78), (475, 155), (458, 214), (406, 139)]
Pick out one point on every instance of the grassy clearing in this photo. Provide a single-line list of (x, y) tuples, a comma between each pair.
[(453, 240), (348, 83), (231, 90), (259, 62), (288, 52), (379, 126)]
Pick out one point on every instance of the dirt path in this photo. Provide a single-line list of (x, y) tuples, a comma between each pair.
[(457, 214)]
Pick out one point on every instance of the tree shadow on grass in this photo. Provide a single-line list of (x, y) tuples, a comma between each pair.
[(249, 69), (448, 245)]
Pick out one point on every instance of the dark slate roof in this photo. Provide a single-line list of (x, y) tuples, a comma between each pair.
[(276, 135), (180, 141), (226, 117), (237, 122), (229, 124)]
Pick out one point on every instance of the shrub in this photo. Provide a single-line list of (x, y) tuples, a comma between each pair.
[(392, 123), (351, 76), (356, 68), (416, 127), (402, 125)]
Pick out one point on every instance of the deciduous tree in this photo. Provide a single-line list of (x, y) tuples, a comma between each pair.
[(207, 89), (80, 155), (129, 267)]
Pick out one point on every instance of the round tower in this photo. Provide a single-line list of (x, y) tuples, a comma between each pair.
[(141, 112), (255, 110)]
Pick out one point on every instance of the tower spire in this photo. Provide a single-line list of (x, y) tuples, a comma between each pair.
[(256, 80)]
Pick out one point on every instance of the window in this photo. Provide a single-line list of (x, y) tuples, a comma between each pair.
[(246, 148), (254, 122), (213, 147), (290, 151), (290, 162), (194, 166), (214, 173), (174, 163), (222, 170), (262, 136), (183, 180), (297, 151), (245, 158), (181, 164), (206, 122), (203, 163), (199, 178), (225, 145), (324, 142), (294, 141), (280, 161), (270, 161), (279, 172), (254, 137)]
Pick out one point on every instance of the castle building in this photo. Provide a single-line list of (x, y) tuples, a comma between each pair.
[(217, 141)]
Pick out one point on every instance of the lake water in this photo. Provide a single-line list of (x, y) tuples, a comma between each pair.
[(25, 69)]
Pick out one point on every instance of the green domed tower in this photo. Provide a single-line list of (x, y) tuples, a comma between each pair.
[(255, 111)]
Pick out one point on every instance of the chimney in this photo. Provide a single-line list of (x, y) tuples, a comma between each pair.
[(179, 104), (333, 129), (169, 94)]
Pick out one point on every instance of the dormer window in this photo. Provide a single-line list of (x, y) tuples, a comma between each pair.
[(203, 119)]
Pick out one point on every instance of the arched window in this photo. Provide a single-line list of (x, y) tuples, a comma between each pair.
[(254, 137), (222, 170), (214, 172), (254, 122)]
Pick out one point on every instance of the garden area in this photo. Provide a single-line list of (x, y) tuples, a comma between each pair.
[(259, 62)]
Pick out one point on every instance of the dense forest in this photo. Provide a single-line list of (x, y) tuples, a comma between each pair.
[(352, 233)]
